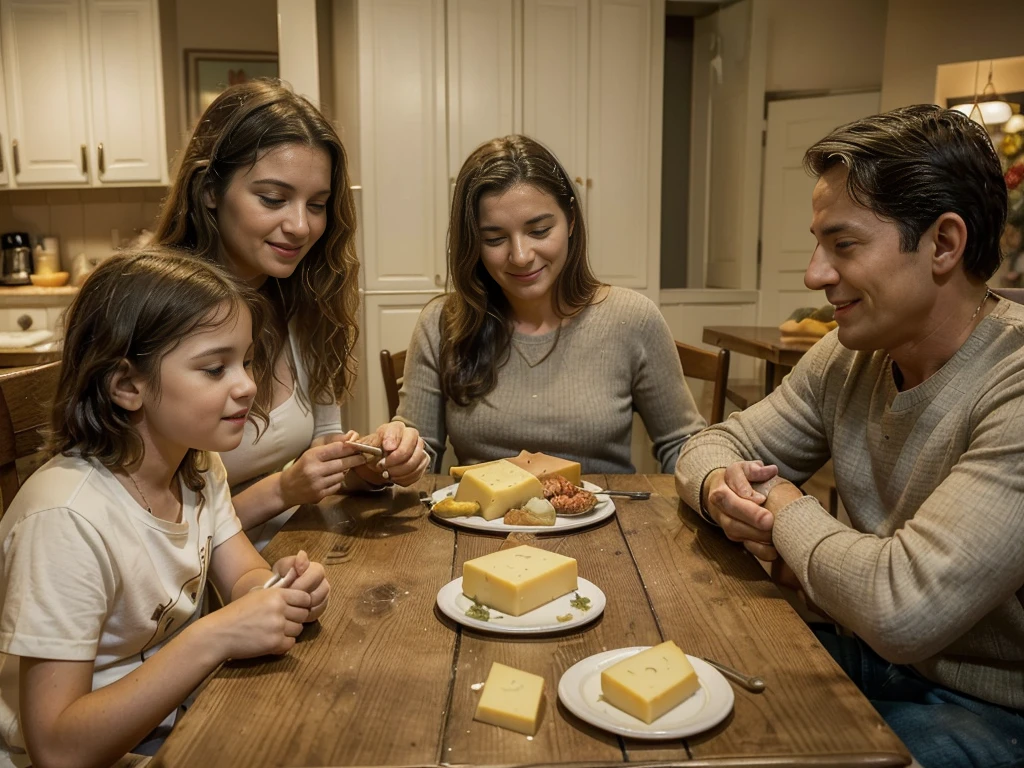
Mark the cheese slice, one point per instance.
(458, 472)
(497, 488)
(541, 465)
(515, 581)
(650, 683)
(511, 699)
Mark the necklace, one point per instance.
(983, 300)
(145, 501)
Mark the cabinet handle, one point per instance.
(17, 160)
(85, 160)
(102, 164)
(590, 182)
(1, 156)
(579, 181)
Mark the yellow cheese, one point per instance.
(511, 699)
(541, 465)
(650, 683)
(515, 581)
(497, 488)
(458, 472)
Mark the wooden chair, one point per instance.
(1015, 295)
(25, 400)
(708, 366)
(392, 366)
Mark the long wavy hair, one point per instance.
(137, 307)
(321, 296)
(476, 321)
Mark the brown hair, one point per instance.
(137, 307)
(322, 294)
(913, 164)
(476, 322)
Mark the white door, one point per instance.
(621, 197)
(44, 70)
(127, 91)
(555, 40)
(402, 143)
(786, 241)
(480, 97)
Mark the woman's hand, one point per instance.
(310, 578)
(319, 471)
(405, 459)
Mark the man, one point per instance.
(918, 397)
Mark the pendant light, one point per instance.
(988, 108)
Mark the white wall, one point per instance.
(922, 34)
(824, 45)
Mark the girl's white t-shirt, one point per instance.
(86, 574)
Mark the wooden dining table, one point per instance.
(385, 679)
(762, 342)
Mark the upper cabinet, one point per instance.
(84, 92)
(439, 77)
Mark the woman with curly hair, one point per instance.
(263, 190)
(530, 351)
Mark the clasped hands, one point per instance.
(744, 498)
(320, 471)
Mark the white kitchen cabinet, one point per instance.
(46, 91)
(84, 92)
(5, 161)
(127, 103)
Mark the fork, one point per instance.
(642, 495)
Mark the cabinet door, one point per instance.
(5, 161)
(480, 99)
(623, 201)
(45, 75)
(555, 81)
(402, 142)
(127, 92)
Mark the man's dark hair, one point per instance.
(913, 164)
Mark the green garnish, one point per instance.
(580, 603)
(567, 617)
(478, 612)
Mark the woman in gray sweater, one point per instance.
(530, 351)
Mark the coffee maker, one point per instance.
(16, 263)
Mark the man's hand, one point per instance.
(732, 503)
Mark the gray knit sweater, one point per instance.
(932, 572)
(577, 402)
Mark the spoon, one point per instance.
(752, 684)
(642, 495)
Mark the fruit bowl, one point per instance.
(51, 280)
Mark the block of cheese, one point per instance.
(458, 472)
(511, 699)
(650, 683)
(517, 580)
(541, 465)
(497, 488)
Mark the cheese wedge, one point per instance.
(498, 487)
(515, 581)
(458, 472)
(650, 683)
(541, 465)
(511, 699)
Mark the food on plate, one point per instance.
(511, 699)
(808, 324)
(533, 512)
(650, 683)
(540, 465)
(497, 488)
(449, 507)
(566, 498)
(517, 580)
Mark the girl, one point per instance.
(263, 189)
(106, 549)
(530, 351)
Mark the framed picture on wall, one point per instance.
(208, 73)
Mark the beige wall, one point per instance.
(824, 45)
(958, 80)
(922, 34)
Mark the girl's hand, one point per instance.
(260, 622)
(310, 578)
(319, 471)
(406, 458)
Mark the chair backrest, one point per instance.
(392, 366)
(707, 366)
(25, 400)
(1015, 295)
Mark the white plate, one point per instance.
(580, 691)
(604, 509)
(454, 605)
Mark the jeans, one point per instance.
(940, 727)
